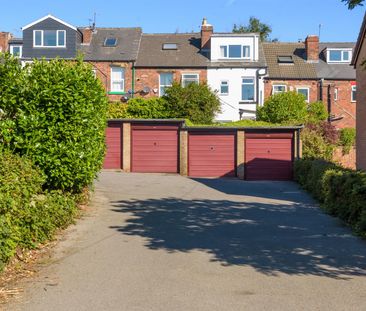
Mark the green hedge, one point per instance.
(347, 139)
(341, 192)
(28, 215)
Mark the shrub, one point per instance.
(347, 139)
(28, 216)
(288, 107)
(196, 102)
(316, 112)
(341, 191)
(151, 108)
(315, 145)
(117, 111)
(57, 117)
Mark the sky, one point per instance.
(290, 20)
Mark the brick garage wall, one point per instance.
(291, 86)
(346, 160)
(149, 77)
(103, 72)
(343, 106)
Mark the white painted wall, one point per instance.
(231, 103)
(217, 41)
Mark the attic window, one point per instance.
(110, 42)
(285, 59)
(170, 46)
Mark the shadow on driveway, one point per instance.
(295, 239)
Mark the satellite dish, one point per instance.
(129, 91)
(146, 90)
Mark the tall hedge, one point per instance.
(54, 112)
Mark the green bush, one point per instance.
(288, 107)
(151, 108)
(55, 113)
(347, 139)
(28, 216)
(196, 102)
(315, 145)
(342, 192)
(316, 112)
(117, 110)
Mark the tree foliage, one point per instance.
(54, 112)
(353, 3)
(254, 25)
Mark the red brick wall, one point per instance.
(103, 72)
(149, 77)
(4, 40)
(361, 110)
(346, 160)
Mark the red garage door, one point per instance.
(154, 149)
(113, 158)
(211, 154)
(269, 156)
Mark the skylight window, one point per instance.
(110, 42)
(170, 46)
(287, 59)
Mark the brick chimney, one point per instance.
(4, 41)
(87, 34)
(312, 48)
(206, 33)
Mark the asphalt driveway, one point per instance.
(165, 242)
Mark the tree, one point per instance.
(353, 3)
(255, 25)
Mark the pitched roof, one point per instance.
(334, 71)
(360, 39)
(46, 17)
(187, 54)
(300, 69)
(126, 48)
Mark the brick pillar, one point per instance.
(183, 153)
(126, 149)
(240, 154)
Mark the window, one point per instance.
(110, 42)
(279, 88)
(235, 51)
(165, 81)
(16, 50)
(353, 93)
(304, 91)
(117, 79)
(339, 56)
(335, 94)
(224, 87)
(170, 46)
(247, 89)
(190, 78)
(49, 38)
(285, 59)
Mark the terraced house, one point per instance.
(242, 70)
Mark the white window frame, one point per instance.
(190, 73)
(342, 57)
(254, 88)
(353, 89)
(228, 89)
(304, 88)
(276, 92)
(241, 51)
(164, 85)
(42, 39)
(336, 94)
(122, 80)
(20, 50)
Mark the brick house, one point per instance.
(358, 60)
(319, 71)
(4, 41)
(164, 58)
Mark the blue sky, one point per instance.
(290, 19)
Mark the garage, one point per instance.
(211, 153)
(154, 148)
(113, 157)
(269, 156)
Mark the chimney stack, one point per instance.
(4, 41)
(312, 48)
(206, 33)
(87, 34)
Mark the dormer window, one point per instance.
(49, 38)
(285, 59)
(339, 55)
(110, 42)
(235, 51)
(170, 46)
